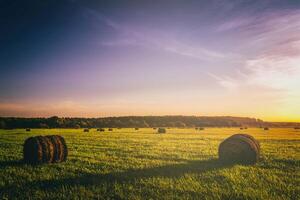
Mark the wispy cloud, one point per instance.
(158, 40)
(275, 69)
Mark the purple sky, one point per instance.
(110, 58)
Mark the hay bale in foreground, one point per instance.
(45, 149)
(161, 130)
(60, 151)
(239, 148)
(28, 129)
(86, 130)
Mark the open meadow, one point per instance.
(141, 164)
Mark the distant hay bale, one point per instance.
(246, 127)
(136, 129)
(28, 129)
(98, 129)
(154, 128)
(161, 130)
(102, 130)
(196, 128)
(110, 129)
(45, 149)
(297, 128)
(86, 130)
(266, 128)
(241, 128)
(239, 148)
(201, 128)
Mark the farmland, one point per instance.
(141, 164)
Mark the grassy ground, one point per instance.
(130, 164)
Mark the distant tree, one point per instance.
(2, 125)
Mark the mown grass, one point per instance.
(140, 164)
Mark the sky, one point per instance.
(173, 57)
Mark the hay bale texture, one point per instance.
(45, 149)
(161, 130)
(239, 148)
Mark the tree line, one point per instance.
(137, 121)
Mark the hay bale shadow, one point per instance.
(129, 176)
(11, 163)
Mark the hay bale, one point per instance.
(86, 130)
(154, 128)
(297, 128)
(110, 129)
(60, 152)
(136, 129)
(102, 129)
(196, 128)
(266, 128)
(239, 148)
(241, 128)
(201, 128)
(45, 149)
(28, 130)
(38, 150)
(161, 130)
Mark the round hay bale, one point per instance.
(196, 128)
(28, 129)
(102, 129)
(110, 129)
(266, 128)
(201, 128)
(241, 128)
(154, 128)
(45, 149)
(86, 130)
(38, 150)
(161, 130)
(98, 129)
(60, 152)
(239, 148)
(136, 129)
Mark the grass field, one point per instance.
(140, 164)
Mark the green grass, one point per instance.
(140, 164)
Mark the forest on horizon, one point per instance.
(139, 122)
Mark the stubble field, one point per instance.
(141, 164)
